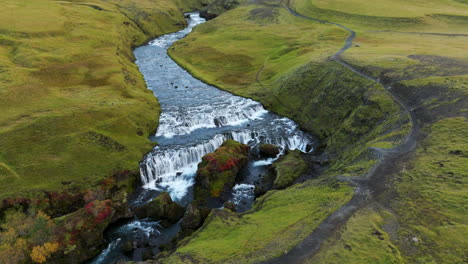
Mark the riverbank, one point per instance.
(75, 120)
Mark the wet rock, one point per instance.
(269, 151)
(147, 254)
(321, 148)
(216, 174)
(162, 208)
(194, 218)
(207, 15)
(127, 246)
(265, 183)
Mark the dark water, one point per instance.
(196, 119)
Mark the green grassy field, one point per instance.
(73, 105)
(259, 50)
(256, 235)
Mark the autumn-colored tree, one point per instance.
(40, 254)
(14, 253)
(20, 232)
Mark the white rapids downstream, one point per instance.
(196, 119)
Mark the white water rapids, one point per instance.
(197, 118)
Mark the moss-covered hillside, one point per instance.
(73, 106)
(416, 50)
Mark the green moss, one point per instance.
(217, 171)
(288, 169)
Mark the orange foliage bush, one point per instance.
(40, 254)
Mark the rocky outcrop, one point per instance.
(283, 173)
(162, 208)
(217, 7)
(288, 168)
(217, 172)
(194, 218)
(268, 151)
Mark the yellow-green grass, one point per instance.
(254, 41)
(426, 222)
(432, 198)
(429, 28)
(278, 221)
(395, 8)
(388, 32)
(363, 240)
(73, 106)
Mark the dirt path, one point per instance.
(368, 187)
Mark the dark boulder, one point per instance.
(206, 15)
(269, 151)
(217, 7)
(162, 208)
(127, 246)
(194, 218)
(265, 183)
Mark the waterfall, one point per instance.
(173, 167)
(185, 120)
(197, 118)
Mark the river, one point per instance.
(196, 119)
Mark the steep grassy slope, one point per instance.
(278, 221)
(418, 50)
(73, 106)
(425, 222)
(264, 52)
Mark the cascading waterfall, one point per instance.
(188, 119)
(172, 167)
(197, 118)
